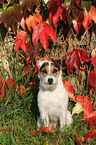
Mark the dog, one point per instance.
(52, 96)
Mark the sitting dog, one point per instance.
(52, 96)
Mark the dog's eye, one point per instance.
(55, 70)
(44, 71)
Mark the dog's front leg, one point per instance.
(43, 120)
(63, 119)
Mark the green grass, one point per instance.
(17, 113)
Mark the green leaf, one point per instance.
(86, 4)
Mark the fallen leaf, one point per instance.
(77, 109)
(90, 134)
(90, 118)
(79, 139)
(45, 129)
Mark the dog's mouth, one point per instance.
(49, 86)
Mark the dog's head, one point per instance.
(49, 72)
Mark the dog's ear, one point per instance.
(39, 63)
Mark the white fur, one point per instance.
(53, 101)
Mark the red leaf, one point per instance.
(63, 14)
(44, 34)
(85, 102)
(90, 134)
(45, 58)
(75, 25)
(5, 85)
(87, 20)
(55, 13)
(72, 60)
(92, 119)
(32, 132)
(10, 82)
(92, 78)
(10, 129)
(84, 57)
(22, 91)
(2, 1)
(30, 51)
(45, 129)
(20, 41)
(51, 3)
(94, 61)
(9, 13)
(78, 2)
(55, 10)
(2, 90)
(29, 4)
(32, 21)
(78, 138)
(69, 88)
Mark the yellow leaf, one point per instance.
(77, 109)
(45, 143)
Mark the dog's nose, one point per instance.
(50, 81)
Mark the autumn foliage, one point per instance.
(41, 23)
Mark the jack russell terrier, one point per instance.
(52, 96)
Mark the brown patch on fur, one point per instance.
(44, 69)
(54, 70)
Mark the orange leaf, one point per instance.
(32, 21)
(93, 13)
(22, 23)
(87, 19)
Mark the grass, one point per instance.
(17, 117)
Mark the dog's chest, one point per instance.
(53, 102)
